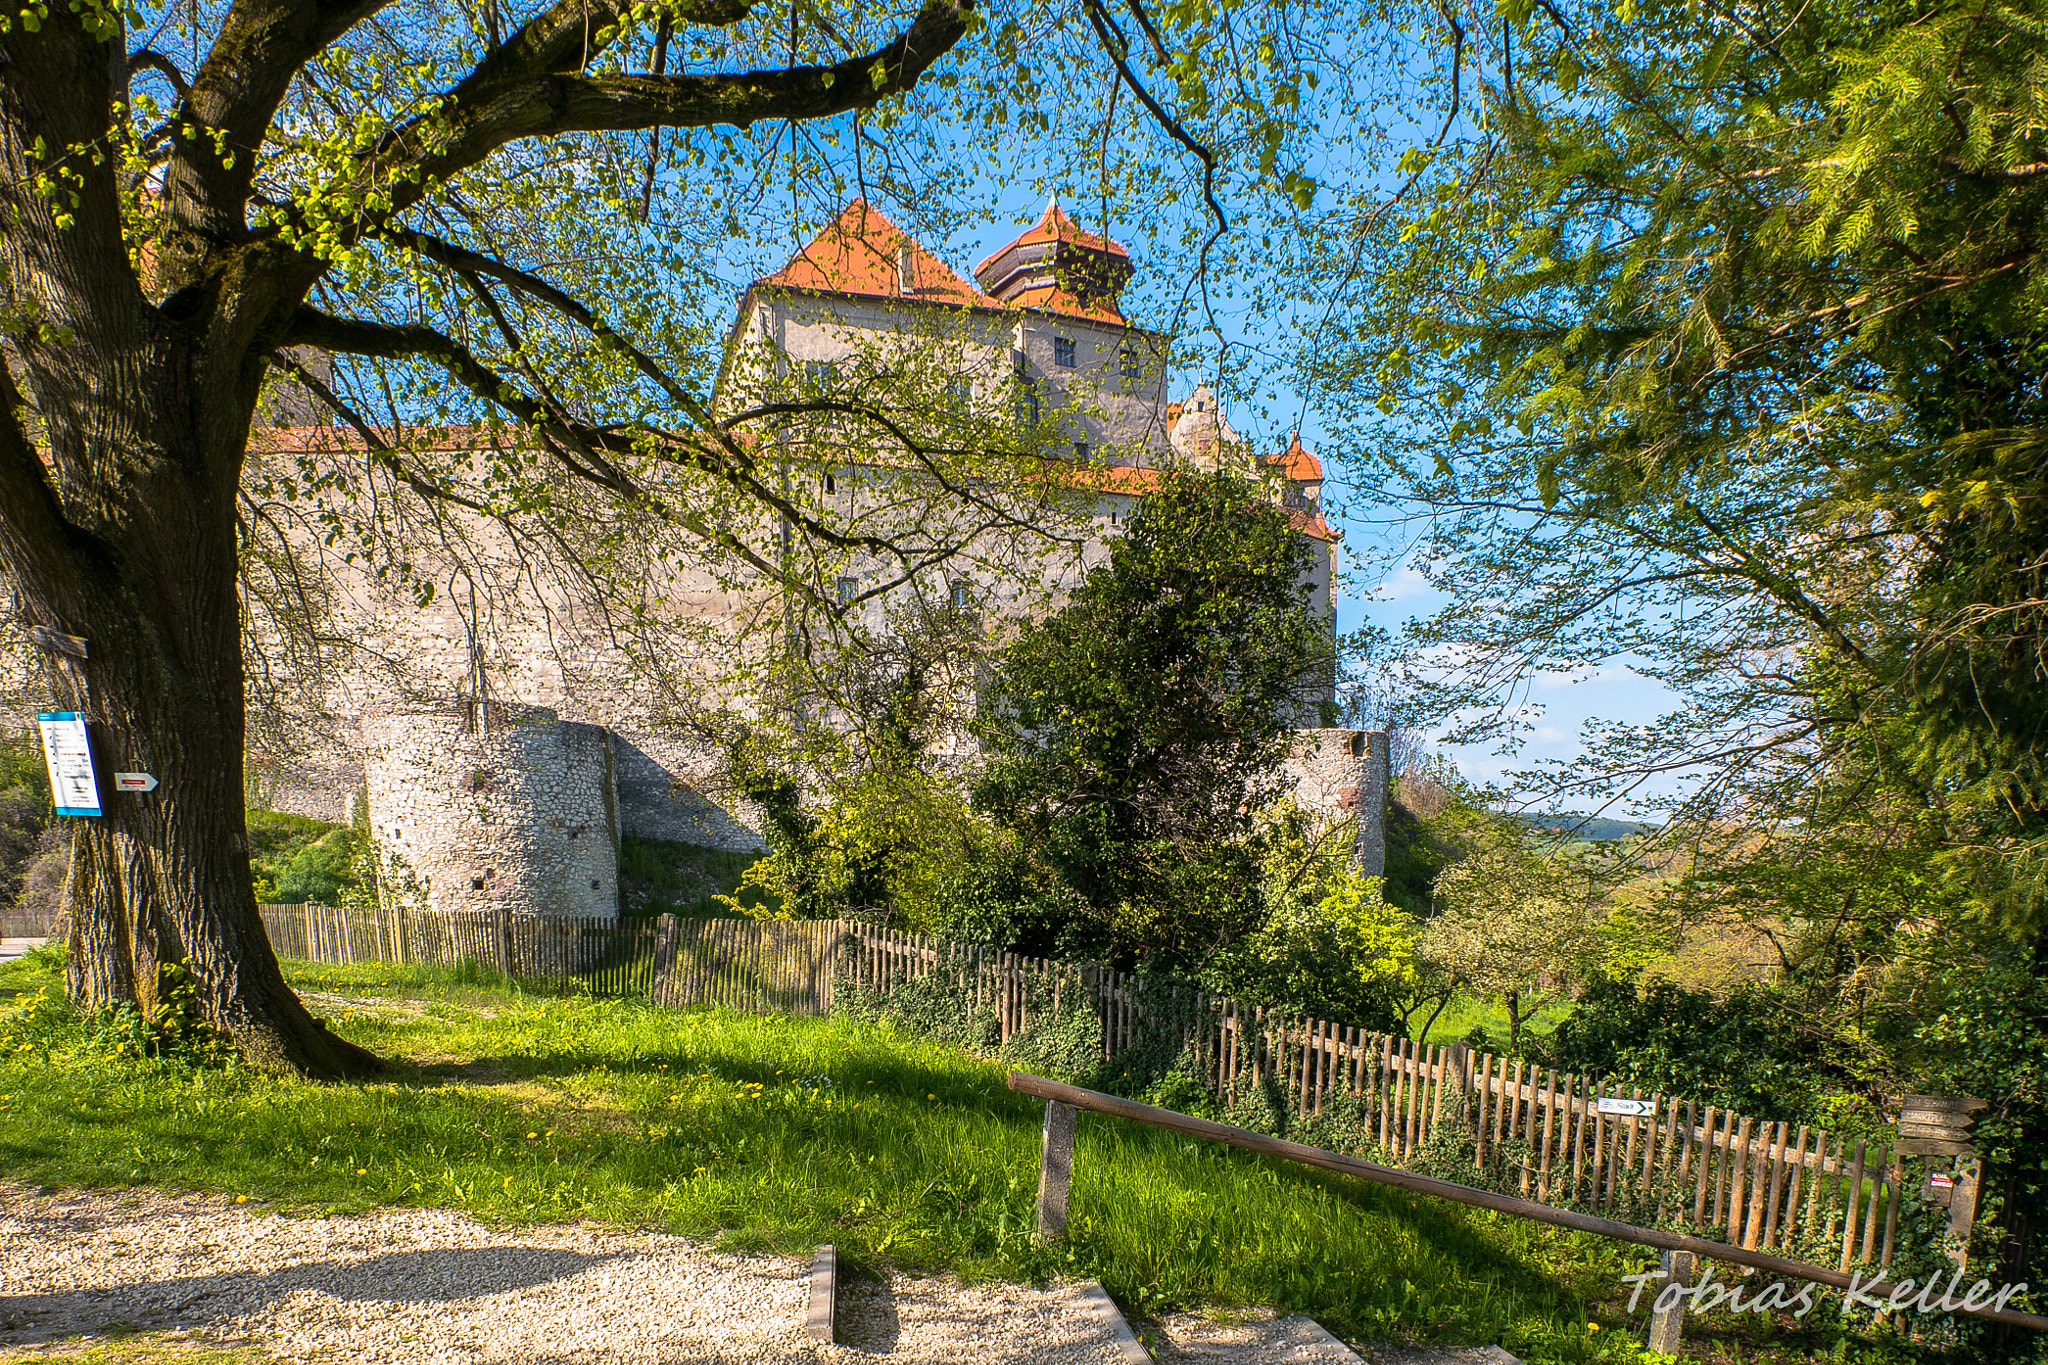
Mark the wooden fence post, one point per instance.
(1668, 1325)
(1055, 1170)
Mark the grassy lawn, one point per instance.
(778, 1134)
(1466, 1013)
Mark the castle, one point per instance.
(524, 813)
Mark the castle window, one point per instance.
(1027, 402)
(845, 589)
(1081, 451)
(963, 594)
(1063, 352)
(593, 883)
(830, 486)
(959, 394)
(822, 376)
(476, 883)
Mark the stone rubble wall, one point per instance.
(1346, 775)
(523, 819)
(674, 789)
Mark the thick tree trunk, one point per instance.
(163, 877)
(122, 431)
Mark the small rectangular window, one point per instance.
(1027, 403)
(959, 394)
(821, 376)
(1081, 451)
(1063, 352)
(845, 589)
(963, 594)
(1127, 363)
(831, 487)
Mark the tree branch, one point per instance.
(354, 336)
(512, 96)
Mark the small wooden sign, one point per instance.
(1627, 1108)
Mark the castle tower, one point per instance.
(521, 820)
(1055, 266)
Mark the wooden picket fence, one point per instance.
(780, 967)
(1660, 1159)
(1758, 1184)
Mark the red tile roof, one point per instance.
(1297, 462)
(858, 253)
(1038, 269)
(1054, 226)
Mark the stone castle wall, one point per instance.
(1346, 775)
(522, 819)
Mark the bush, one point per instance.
(294, 858)
(1731, 1051)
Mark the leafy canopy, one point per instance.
(1134, 735)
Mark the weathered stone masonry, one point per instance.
(522, 819)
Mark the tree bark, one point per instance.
(163, 877)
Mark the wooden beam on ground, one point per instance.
(1104, 1307)
(1096, 1102)
(819, 1322)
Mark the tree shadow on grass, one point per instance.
(910, 1080)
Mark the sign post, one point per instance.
(74, 788)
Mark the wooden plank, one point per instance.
(1788, 1173)
(1852, 1204)
(1657, 1151)
(1479, 1147)
(1807, 1223)
(1896, 1171)
(1874, 1206)
(1724, 1160)
(1544, 1161)
(1575, 1092)
(1386, 1083)
(1763, 1183)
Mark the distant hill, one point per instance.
(1594, 828)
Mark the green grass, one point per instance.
(663, 877)
(1466, 1012)
(777, 1134)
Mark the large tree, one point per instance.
(151, 274)
(1136, 737)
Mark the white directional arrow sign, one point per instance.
(134, 782)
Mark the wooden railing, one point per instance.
(1559, 1139)
(1056, 1176)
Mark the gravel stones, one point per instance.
(430, 1286)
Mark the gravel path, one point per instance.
(409, 1285)
(1263, 1339)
